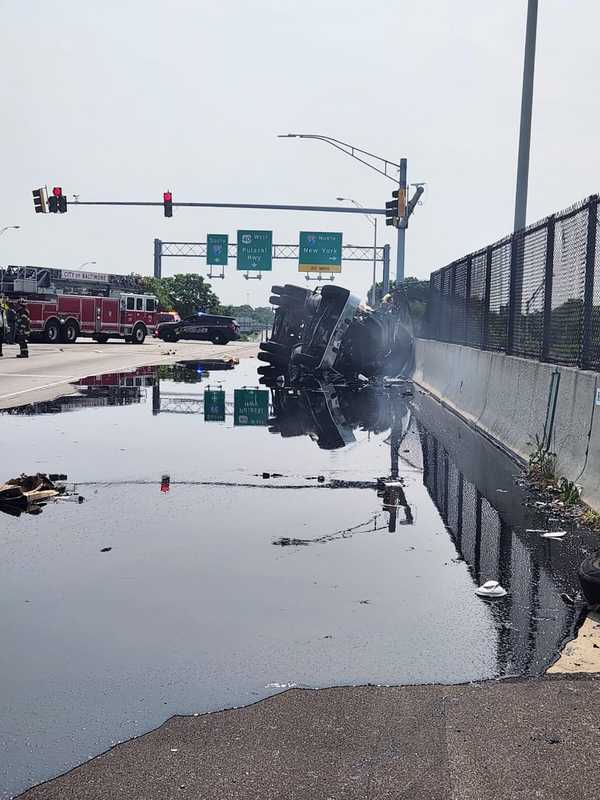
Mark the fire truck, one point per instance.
(66, 317)
(69, 304)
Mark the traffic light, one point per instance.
(168, 204)
(57, 202)
(395, 210)
(39, 201)
(391, 212)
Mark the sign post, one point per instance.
(255, 250)
(320, 252)
(250, 407)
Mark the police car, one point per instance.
(201, 327)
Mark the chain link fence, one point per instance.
(535, 293)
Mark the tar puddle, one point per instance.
(236, 542)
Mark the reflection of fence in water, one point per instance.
(532, 621)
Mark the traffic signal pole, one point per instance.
(401, 243)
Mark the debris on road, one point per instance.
(491, 589)
(28, 494)
(553, 534)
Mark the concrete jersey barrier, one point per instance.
(507, 397)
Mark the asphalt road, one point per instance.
(49, 370)
(507, 740)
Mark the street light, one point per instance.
(373, 221)
(85, 263)
(6, 228)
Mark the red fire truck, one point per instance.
(65, 317)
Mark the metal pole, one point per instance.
(374, 291)
(401, 229)
(157, 258)
(526, 105)
(386, 268)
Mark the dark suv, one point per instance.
(205, 327)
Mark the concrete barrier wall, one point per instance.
(507, 397)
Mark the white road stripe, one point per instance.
(36, 388)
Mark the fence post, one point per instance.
(588, 296)
(486, 300)
(512, 294)
(467, 299)
(451, 335)
(548, 277)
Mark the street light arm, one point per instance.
(349, 150)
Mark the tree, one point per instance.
(186, 294)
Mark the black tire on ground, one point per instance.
(169, 336)
(70, 332)
(219, 339)
(138, 334)
(101, 338)
(52, 332)
(589, 578)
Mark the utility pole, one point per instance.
(402, 222)
(526, 106)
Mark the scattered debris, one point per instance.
(502, 491)
(553, 534)
(28, 494)
(491, 589)
(105, 549)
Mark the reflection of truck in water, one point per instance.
(65, 317)
(114, 389)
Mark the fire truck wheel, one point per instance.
(70, 332)
(139, 334)
(52, 332)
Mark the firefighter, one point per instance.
(23, 328)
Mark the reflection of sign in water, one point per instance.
(254, 250)
(320, 252)
(250, 407)
(216, 249)
(214, 405)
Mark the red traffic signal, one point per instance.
(168, 204)
(57, 191)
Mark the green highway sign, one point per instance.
(320, 252)
(255, 250)
(250, 407)
(216, 249)
(214, 405)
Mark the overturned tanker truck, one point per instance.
(329, 331)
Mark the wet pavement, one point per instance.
(198, 606)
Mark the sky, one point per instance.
(124, 100)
